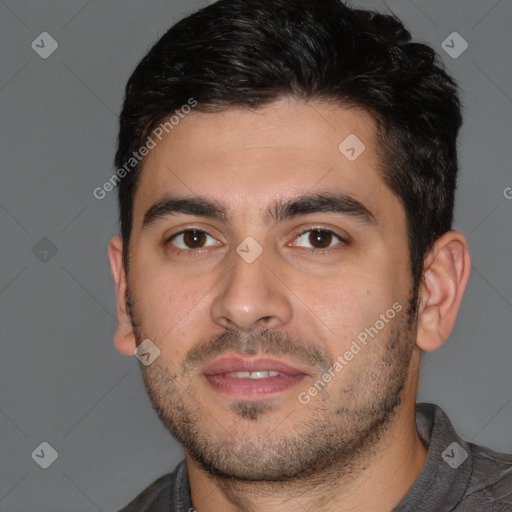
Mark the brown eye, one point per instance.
(318, 239)
(193, 239)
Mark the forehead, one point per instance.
(247, 160)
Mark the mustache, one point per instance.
(263, 341)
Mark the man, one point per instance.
(287, 171)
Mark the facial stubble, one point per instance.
(338, 432)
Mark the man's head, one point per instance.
(290, 213)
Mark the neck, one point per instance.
(380, 475)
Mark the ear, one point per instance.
(124, 338)
(446, 274)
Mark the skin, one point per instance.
(354, 446)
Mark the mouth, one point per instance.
(252, 377)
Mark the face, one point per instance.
(271, 269)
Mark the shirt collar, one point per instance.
(447, 470)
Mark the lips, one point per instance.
(243, 364)
(251, 378)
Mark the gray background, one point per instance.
(61, 379)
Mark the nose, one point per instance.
(251, 296)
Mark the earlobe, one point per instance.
(446, 274)
(124, 337)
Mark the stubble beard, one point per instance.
(338, 435)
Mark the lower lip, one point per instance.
(253, 388)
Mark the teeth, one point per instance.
(252, 375)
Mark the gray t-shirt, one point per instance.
(458, 476)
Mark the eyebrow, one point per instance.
(338, 203)
(198, 206)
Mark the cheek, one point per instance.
(342, 307)
(165, 301)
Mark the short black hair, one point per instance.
(249, 53)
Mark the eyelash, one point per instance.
(341, 240)
(188, 252)
(199, 251)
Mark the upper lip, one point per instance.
(250, 364)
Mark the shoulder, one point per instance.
(480, 479)
(491, 479)
(158, 496)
